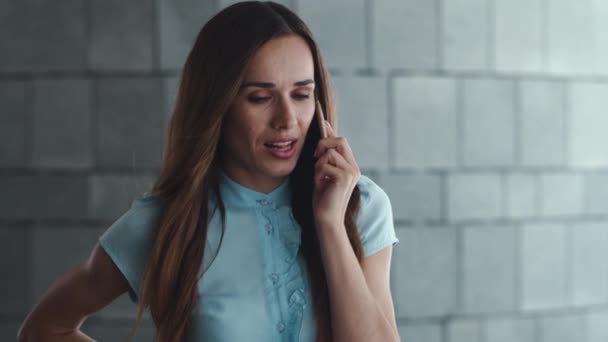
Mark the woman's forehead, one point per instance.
(282, 60)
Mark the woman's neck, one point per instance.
(257, 182)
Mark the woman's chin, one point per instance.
(282, 169)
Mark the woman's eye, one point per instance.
(258, 99)
(262, 99)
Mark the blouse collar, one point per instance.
(237, 195)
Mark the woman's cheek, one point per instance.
(308, 109)
(310, 114)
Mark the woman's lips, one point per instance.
(281, 140)
(283, 152)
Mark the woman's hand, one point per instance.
(336, 174)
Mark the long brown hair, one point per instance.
(210, 80)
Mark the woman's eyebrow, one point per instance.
(272, 85)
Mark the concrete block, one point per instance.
(424, 272)
(543, 124)
(489, 115)
(131, 123)
(543, 265)
(562, 194)
(597, 329)
(426, 122)
(13, 264)
(13, 123)
(420, 332)
(9, 328)
(510, 330)
(522, 195)
(474, 196)
(590, 263)
(564, 328)
(488, 264)
(170, 89)
(363, 119)
(43, 197)
(122, 35)
(464, 33)
(599, 11)
(414, 197)
(464, 330)
(16, 197)
(405, 34)
(569, 37)
(518, 48)
(42, 35)
(588, 124)
(62, 129)
(339, 28)
(226, 3)
(112, 194)
(60, 197)
(595, 193)
(179, 23)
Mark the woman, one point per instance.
(257, 229)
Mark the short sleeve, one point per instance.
(375, 218)
(128, 240)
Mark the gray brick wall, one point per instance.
(484, 120)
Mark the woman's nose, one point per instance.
(285, 114)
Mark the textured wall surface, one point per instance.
(484, 120)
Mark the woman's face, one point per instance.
(274, 106)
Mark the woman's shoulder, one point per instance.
(127, 240)
(134, 227)
(148, 200)
(375, 217)
(370, 191)
(143, 210)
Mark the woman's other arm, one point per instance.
(85, 289)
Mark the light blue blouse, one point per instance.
(256, 289)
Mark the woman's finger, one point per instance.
(328, 172)
(332, 157)
(339, 144)
(330, 130)
(321, 120)
(337, 161)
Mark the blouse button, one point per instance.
(280, 327)
(268, 228)
(263, 201)
(274, 277)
